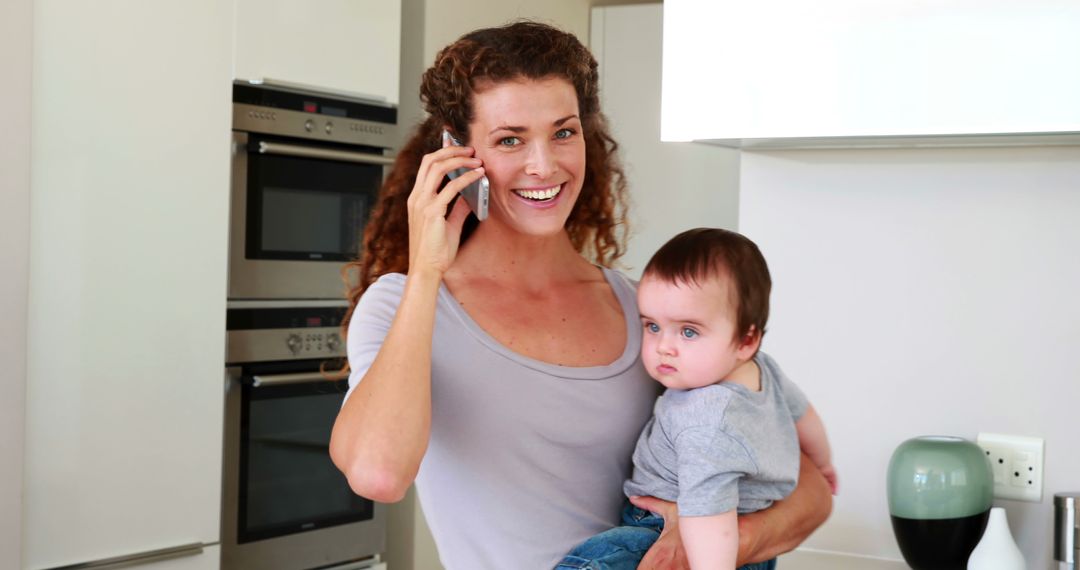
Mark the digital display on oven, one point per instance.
(313, 107)
(334, 111)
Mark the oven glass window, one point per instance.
(287, 214)
(307, 208)
(288, 483)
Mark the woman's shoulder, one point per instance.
(386, 285)
(381, 299)
(619, 279)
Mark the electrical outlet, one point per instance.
(1017, 464)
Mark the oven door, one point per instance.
(298, 212)
(286, 505)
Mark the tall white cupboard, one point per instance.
(129, 181)
(130, 127)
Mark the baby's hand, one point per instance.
(830, 475)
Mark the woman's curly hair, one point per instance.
(521, 50)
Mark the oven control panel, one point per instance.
(283, 344)
(265, 334)
(306, 342)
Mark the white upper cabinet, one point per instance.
(970, 72)
(344, 45)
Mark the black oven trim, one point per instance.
(253, 248)
(249, 319)
(250, 392)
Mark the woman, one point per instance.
(494, 362)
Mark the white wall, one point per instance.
(925, 291)
(673, 186)
(16, 41)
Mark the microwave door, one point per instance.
(298, 214)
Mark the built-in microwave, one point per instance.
(306, 170)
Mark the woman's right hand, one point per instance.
(434, 236)
(667, 553)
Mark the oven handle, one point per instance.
(139, 558)
(260, 380)
(323, 153)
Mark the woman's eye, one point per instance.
(509, 141)
(564, 133)
(652, 327)
(689, 332)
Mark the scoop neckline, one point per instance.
(624, 293)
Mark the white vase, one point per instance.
(997, 550)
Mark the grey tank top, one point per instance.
(526, 458)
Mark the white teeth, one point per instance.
(539, 194)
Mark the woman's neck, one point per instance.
(516, 260)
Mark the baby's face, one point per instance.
(688, 338)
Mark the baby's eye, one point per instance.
(689, 332)
(652, 327)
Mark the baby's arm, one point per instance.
(815, 444)
(711, 542)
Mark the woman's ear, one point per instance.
(748, 344)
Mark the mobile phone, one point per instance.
(475, 194)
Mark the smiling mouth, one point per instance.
(543, 195)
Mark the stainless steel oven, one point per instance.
(285, 506)
(306, 169)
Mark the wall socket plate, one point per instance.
(1017, 464)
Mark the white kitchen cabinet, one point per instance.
(839, 73)
(129, 203)
(347, 45)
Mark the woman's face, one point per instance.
(528, 134)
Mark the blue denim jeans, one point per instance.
(623, 547)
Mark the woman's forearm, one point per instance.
(382, 431)
(786, 524)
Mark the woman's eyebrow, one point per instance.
(508, 128)
(516, 129)
(563, 120)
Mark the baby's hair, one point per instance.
(695, 256)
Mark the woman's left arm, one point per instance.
(764, 535)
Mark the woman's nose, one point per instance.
(541, 161)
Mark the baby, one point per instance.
(724, 438)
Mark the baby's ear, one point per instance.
(749, 343)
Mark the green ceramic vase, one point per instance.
(940, 490)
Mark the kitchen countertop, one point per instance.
(805, 559)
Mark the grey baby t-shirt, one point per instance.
(722, 447)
